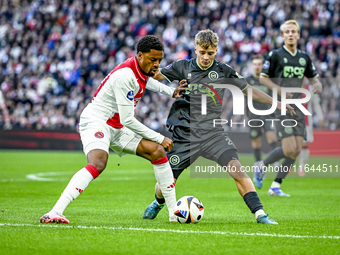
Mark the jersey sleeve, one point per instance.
(173, 71)
(159, 87)
(310, 71)
(268, 65)
(238, 80)
(125, 88)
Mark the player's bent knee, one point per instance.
(158, 152)
(98, 158)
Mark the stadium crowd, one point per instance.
(54, 53)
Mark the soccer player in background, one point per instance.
(287, 67)
(193, 133)
(268, 128)
(109, 122)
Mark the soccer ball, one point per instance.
(189, 209)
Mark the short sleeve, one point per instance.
(238, 80)
(310, 71)
(173, 71)
(268, 65)
(125, 88)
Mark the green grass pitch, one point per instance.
(107, 217)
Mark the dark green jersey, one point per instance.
(186, 111)
(254, 82)
(287, 69)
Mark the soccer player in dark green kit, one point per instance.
(287, 67)
(193, 133)
(267, 128)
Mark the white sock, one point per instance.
(275, 185)
(75, 187)
(165, 179)
(304, 155)
(258, 213)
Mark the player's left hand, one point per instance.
(288, 107)
(183, 85)
(317, 88)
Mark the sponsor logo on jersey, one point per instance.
(266, 64)
(290, 71)
(130, 95)
(213, 75)
(99, 134)
(168, 66)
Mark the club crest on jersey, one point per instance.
(130, 95)
(302, 61)
(266, 64)
(213, 75)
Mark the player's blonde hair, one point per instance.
(291, 21)
(206, 38)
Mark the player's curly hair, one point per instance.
(149, 42)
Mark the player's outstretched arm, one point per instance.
(317, 85)
(159, 87)
(262, 97)
(270, 84)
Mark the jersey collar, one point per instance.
(139, 72)
(205, 68)
(284, 46)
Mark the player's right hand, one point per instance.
(167, 144)
(183, 85)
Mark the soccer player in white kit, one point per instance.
(109, 122)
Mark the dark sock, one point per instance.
(284, 169)
(257, 153)
(273, 145)
(273, 156)
(253, 201)
(160, 200)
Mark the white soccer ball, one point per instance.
(189, 209)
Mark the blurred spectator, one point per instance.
(54, 53)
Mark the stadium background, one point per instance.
(54, 54)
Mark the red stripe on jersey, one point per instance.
(142, 79)
(160, 161)
(115, 121)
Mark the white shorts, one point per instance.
(96, 134)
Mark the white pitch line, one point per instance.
(168, 230)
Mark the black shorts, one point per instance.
(190, 144)
(258, 131)
(288, 129)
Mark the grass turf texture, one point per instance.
(107, 217)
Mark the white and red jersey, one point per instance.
(118, 95)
